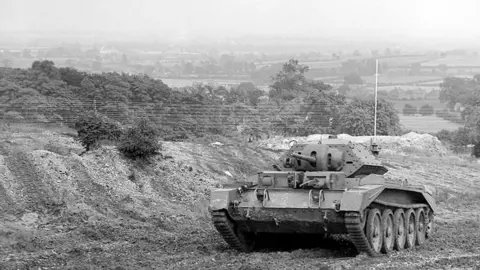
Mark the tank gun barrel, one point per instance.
(306, 158)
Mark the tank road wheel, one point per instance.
(410, 228)
(388, 231)
(399, 229)
(429, 230)
(374, 230)
(421, 226)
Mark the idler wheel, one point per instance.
(399, 229)
(411, 228)
(388, 231)
(374, 230)
(421, 226)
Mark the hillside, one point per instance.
(97, 211)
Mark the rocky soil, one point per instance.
(59, 210)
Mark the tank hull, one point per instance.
(258, 210)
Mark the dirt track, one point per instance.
(99, 212)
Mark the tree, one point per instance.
(289, 81)
(409, 109)
(460, 90)
(92, 128)
(321, 112)
(426, 110)
(48, 68)
(352, 78)
(357, 119)
(72, 76)
(140, 141)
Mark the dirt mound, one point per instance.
(411, 143)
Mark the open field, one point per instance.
(428, 124)
(400, 104)
(401, 61)
(453, 61)
(401, 79)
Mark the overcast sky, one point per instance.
(416, 18)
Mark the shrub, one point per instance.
(92, 128)
(409, 109)
(444, 135)
(140, 141)
(426, 110)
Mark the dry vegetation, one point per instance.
(98, 211)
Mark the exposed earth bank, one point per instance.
(60, 210)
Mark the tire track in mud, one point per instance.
(24, 171)
(6, 203)
(93, 194)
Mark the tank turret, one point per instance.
(354, 159)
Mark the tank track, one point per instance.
(226, 229)
(355, 231)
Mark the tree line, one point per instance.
(294, 105)
(463, 93)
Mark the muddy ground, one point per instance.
(99, 211)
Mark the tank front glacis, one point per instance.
(330, 187)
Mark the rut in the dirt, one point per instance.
(6, 203)
(94, 195)
(33, 189)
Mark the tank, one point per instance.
(330, 187)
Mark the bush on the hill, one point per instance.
(444, 135)
(426, 110)
(459, 139)
(140, 141)
(92, 128)
(409, 109)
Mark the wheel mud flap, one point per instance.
(358, 198)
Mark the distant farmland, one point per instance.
(428, 124)
(401, 79)
(453, 61)
(400, 104)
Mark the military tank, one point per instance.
(328, 187)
